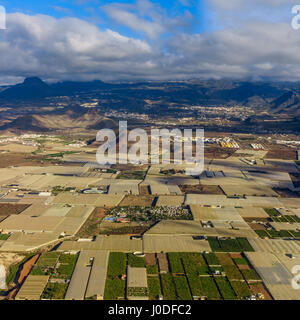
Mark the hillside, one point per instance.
(70, 121)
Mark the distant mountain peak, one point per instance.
(33, 81)
(287, 100)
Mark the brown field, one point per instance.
(124, 228)
(256, 226)
(163, 262)
(20, 159)
(214, 152)
(264, 220)
(150, 259)
(282, 153)
(224, 258)
(260, 288)
(243, 267)
(137, 201)
(236, 255)
(144, 190)
(92, 225)
(7, 209)
(26, 268)
(200, 189)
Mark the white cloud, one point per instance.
(66, 48)
(147, 18)
(131, 20)
(73, 49)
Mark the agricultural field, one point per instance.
(7, 209)
(154, 288)
(137, 201)
(92, 226)
(211, 276)
(55, 291)
(230, 245)
(201, 189)
(60, 268)
(66, 266)
(132, 175)
(4, 237)
(273, 234)
(48, 260)
(115, 284)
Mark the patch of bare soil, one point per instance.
(201, 189)
(150, 259)
(28, 265)
(124, 228)
(23, 274)
(7, 209)
(218, 153)
(9, 259)
(259, 288)
(137, 201)
(21, 159)
(236, 255)
(282, 153)
(264, 220)
(93, 224)
(144, 190)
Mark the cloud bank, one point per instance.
(73, 49)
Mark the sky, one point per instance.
(131, 40)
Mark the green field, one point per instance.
(168, 287)
(175, 262)
(262, 233)
(225, 288)
(241, 289)
(38, 271)
(182, 288)
(211, 259)
(193, 263)
(4, 237)
(250, 274)
(272, 212)
(136, 262)
(210, 288)
(48, 259)
(132, 175)
(116, 264)
(152, 269)
(55, 291)
(154, 288)
(230, 245)
(232, 272)
(114, 289)
(196, 285)
(67, 265)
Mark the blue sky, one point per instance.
(92, 11)
(114, 40)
